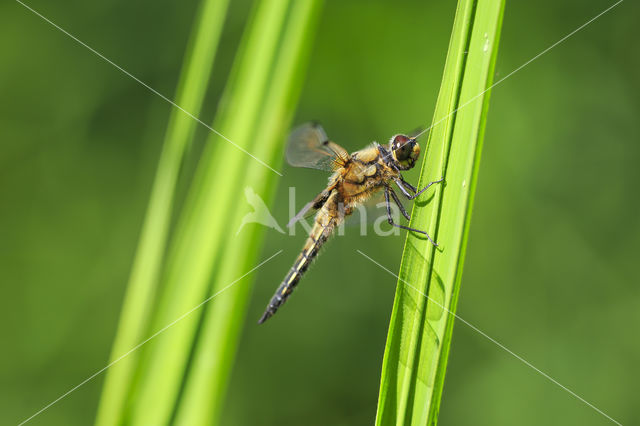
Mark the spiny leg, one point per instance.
(390, 217)
(398, 203)
(403, 185)
(427, 187)
(408, 185)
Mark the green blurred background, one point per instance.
(551, 267)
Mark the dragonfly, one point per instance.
(356, 178)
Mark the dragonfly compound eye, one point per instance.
(405, 151)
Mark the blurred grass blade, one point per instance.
(201, 227)
(143, 282)
(203, 232)
(420, 331)
(217, 342)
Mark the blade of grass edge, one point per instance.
(217, 342)
(420, 328)
(442, 367)
(143, 281)
(203, 223)
(394, 397)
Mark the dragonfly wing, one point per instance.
(305, 212)
(417, 132)
(310, 208)
(309, 146)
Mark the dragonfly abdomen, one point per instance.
(325, 223)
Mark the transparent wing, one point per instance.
(307, 211)
(309, 146)
(310, 208)
(418, 132)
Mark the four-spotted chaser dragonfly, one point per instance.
(356, 177)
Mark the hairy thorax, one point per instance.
(365, 173)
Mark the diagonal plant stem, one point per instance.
(212, 361)
(204, 227)
(144, 279)
(420, 330)
(202, 223)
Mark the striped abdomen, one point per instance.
(326, 221)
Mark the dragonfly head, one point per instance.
(405, 151)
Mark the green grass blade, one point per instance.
(204, 227)
(217, 342)
(143, 282)
(420, 330)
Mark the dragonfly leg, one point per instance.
(399, 204)
(392, 223)
(401, 184)
(428, 185)
(408, 185)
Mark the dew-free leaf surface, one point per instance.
(419, 337)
